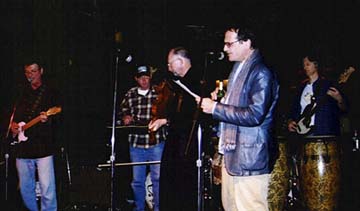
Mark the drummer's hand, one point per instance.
(127, 119)
(155, 125)
(292, 126)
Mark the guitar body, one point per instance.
(21, 135)
(303, 126)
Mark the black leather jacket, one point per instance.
(248, 118)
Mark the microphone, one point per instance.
(128, 59)
(216, 55)
(30, 79)
(124, 56)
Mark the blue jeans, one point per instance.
(139, 174)
(26, 171)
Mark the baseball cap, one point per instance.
(143, 70)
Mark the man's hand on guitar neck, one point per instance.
(334, 93)
(43, 117)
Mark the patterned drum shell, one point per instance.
(320, 172)
(279, 179)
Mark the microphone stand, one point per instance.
(199, 160)
(7, 156)
(200, 205)
(112, 156)
(67, 163)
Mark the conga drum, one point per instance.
(279, 179)
(320, 172)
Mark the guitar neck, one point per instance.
(31, 123)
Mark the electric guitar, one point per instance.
(303, 125)
(24, 126)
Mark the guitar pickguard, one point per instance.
(303, 126)
(21, 135)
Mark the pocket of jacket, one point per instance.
(253, 152)
(253, 157)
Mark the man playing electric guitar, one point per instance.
(35, 104)
(315, 115)
(317, 104)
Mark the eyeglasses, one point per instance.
(229, 44)
(172, 61)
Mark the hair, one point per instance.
(318, 55)
(181, 51)
(314, 57)
(244, 33)
(34, 60)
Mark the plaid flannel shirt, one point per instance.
(139, 107)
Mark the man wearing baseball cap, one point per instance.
(135, 109)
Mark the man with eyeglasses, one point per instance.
(246, 115)
(178, 180)
(35, 154)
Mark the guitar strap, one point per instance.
(319, 101)
(35, 104)
(323, 98)
(317, 88)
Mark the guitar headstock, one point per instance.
(53, 111)
(345, 75)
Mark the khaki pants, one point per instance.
(246, 193)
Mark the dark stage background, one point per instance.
(77, 40)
